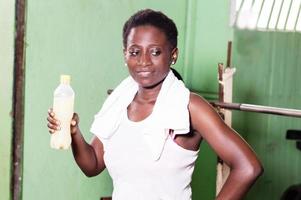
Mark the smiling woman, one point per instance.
(148, 132)
(148, 55)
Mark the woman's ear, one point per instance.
(174, 56)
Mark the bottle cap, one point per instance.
(65, 79)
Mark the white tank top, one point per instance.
(137, 176)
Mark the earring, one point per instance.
(125, 64)
(174, 58)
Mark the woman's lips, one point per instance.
(144, 73)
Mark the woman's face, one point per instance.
(148, 55)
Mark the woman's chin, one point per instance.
(147, 84)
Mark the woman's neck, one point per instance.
(148, 95)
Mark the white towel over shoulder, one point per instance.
(170, 112)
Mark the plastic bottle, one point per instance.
(63, 103)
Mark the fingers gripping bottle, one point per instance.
(63, 103)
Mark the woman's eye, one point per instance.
(133, 53)
(156, 52)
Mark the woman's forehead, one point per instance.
(146, 34)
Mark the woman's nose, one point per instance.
(144, 59)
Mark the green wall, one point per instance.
(7, 17)
(206, 45)
(83, 38)
(268, 73)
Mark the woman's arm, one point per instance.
(229, 146)
(89, 157)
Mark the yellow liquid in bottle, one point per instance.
(63, 109)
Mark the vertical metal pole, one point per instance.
(225, 94)
(229, 54)
(18, 102)
(220, 85)
(219, 168)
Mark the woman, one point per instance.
(149, 130)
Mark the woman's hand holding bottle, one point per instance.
(54, 124)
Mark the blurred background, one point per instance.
(83, 38)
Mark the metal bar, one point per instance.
(220, 85)
(270, 16)
(273, 21)
(279, 14)
(258, 109)
(299, 13)
(18, 102)
(288, 14)
(259, 14)
(237, 12)
(229, 54)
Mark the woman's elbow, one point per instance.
(254, 170)
(90, 174)
(94, 172)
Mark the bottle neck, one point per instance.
(65, 82)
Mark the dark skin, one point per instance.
(149, 55)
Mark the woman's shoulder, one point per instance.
(200, 106)
(204, 117)
(197, 100)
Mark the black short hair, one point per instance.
(153, 18)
